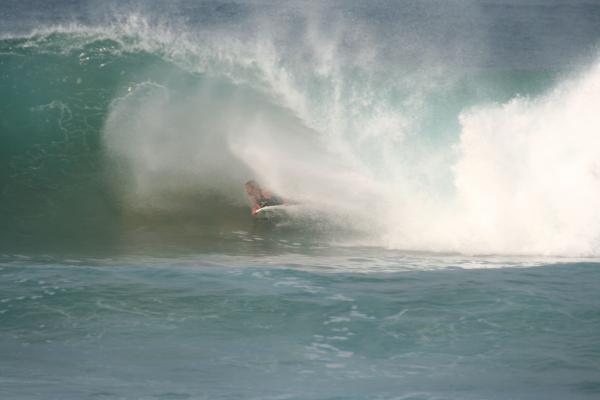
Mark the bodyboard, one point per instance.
(272, 212)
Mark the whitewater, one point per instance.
(444, 163)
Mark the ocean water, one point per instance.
(444, 158)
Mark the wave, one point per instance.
(135, 125)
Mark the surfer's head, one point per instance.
(253, 189)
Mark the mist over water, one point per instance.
(421, 125)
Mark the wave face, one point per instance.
(413, 128)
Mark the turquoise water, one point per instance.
(443, 158)
(298, 327)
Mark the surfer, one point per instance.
(261, 197)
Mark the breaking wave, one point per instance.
(139, 127)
